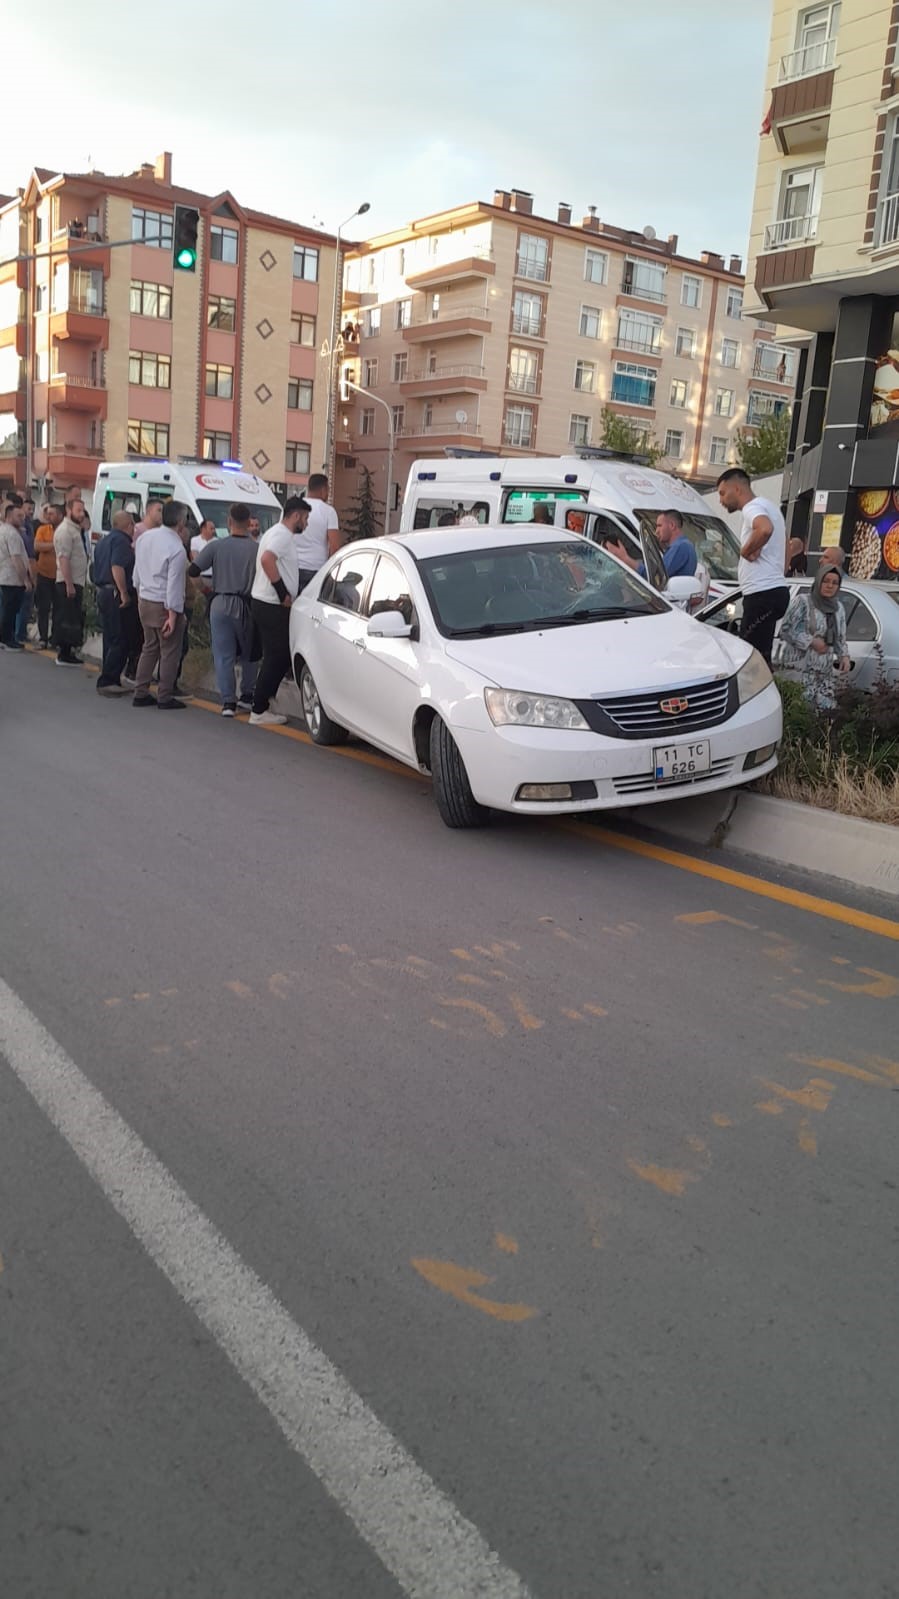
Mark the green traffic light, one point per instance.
(186, 258)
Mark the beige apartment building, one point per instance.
(488, 328)
(108, 351)
(824, 263)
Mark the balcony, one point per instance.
(527, 327)
(887, 221)
(459, 379)
(646, 343)
(787, 232)
(466, 268)
(449, 323)
(72, 392)
(636, 290)
(773, 364)
(448, 432)
(73, 460)
(537, 271)
(82, 322)
(519, 384)
(806, 61)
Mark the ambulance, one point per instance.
(606, 500)
(207, 488)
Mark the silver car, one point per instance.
(872, 627)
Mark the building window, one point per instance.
(798, 205)
(401, 366)
(38, 228)
(297, 459)
(527, 314)
(370, 373)
(149, 371)
(590, 325)
(403, 314)
(305, 262)
(674, 443)
(678, 396)
(220, 380)
(41, 365)
(518, 427)
(888, 202)
(690, 292)
(302, 331)
(585, 376)
(596, 266)
(221, 313)
(153, 228)
(78, 289)
(40, 435)
(399, 419)
(371, 272)
(223, 244)
(686, 342)
(533, 257)
(816, 32)
(637, 330)
(367, 421)
(718, 452)
(578, 430)
(734, 305)
(762, 405)
(373, 322)
(774, 363)
(724, 402)
(151, 299)
(299, 394)
(643, 279)
(401, 261)
(148, 438)
(633, 384)
(434, 307)
(427, 415)
(524, 370)
(730, 352)
(216, 446)
(40, 298)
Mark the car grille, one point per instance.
(641, 715)
(646, 783)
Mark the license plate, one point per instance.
(682, 760)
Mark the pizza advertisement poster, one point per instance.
(875, 535)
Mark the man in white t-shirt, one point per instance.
(274, 591)
(763, 556)
(322, 533)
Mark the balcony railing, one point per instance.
(538, 270)
(464, 370)
(522, 442)
(75, 380)
(809, 59)
(528, 326)
(451, 313)
(781, 370)
(519, 384)
(79, 307)
(418, 430)
(648, 343)
(789, 231)
(888, 220)
(640, 291)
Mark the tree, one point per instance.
(626, 437)
(764, 450)
(365, 516)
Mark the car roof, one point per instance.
(436, 541)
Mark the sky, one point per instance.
(650, 112)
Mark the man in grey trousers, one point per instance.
(160, 574)
(232, 563)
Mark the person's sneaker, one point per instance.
(229, 710)
(266, 719)
(141, 701)
(112, 690)
(244, 704)
(129, 682)
(171, 705)
(68, 660)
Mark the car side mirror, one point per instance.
(684, 592)
(389, 624)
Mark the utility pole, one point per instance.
(333, 340)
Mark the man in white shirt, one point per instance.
(763, 554)
(274, 591)
(15, 571)
(322, 533)
(160, 574)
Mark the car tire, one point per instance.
(321, 729)
(452, 790)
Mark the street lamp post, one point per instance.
(390, 443)
(333, 336)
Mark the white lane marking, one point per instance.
(416, 1531)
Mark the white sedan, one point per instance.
(531, 674)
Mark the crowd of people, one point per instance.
(147, 576)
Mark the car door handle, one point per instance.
(360, 644)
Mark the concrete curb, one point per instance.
(861, 854)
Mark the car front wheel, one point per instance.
(321, 728)
(452, 790)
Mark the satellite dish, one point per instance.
(649, 233)
(461, 416)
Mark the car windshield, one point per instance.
(217, 511)
(716, 544)
(525, 587)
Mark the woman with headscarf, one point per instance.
(813, 633)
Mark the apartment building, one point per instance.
(824, 263)
(488, 328)
(108, 351)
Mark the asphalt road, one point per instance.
(386, 1210)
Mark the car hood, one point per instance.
(590, 659)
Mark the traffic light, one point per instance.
(184, 238)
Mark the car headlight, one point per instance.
(509, 707)
(753, 678)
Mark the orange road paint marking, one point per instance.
(240, 989)
(882, 986)
(491, 1021)
(140, 996)
(720, 1120)
(460, 1283)
(669, 1179)
(808, 1143)
(473, 980)
(699, 1144)
(461, 954)
(506, 1243)
(815, 1096)
(705, 918)
(437, 1021)
(529, 1022)
(813, 999)
(112, 1002)
(823, 1063)
(596, 1010)
(573, 1015)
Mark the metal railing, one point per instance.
(464, 370)
(522, 385)
(809, 59)
(790, 230)
(639, 292)
(417, 430)
(888, 219)
(782, 370)
(79, 308)
(537, 270)
(648, 343)
(76, 380)
(93, 450)
(528, 326)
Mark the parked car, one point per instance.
(872, 628)
(529, 673)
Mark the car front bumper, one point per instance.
(500, 760)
